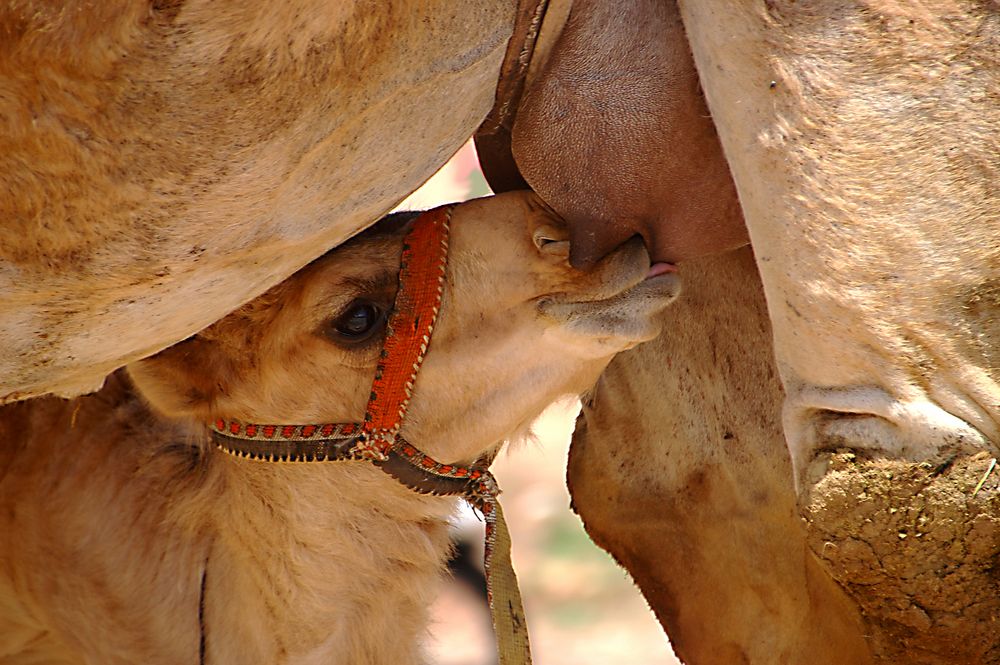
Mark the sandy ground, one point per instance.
(917, 546)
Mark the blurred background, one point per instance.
(581, 607)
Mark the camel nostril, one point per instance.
(551, 240)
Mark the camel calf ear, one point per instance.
(187, 380)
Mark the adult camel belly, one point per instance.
(162, 163)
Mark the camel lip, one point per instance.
(661, 281)
(648, 293)
(610, 290)
(620, 276)
(661, 285)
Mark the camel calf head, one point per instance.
(518, 328)
(255, 562)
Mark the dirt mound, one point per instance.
(917, 546)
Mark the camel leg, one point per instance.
(679, 469)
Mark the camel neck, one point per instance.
(305, 562)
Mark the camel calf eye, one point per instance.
(358, 322)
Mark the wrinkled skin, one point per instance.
(624, 149)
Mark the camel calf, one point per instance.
(128, 538)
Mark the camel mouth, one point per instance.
(616, 304)
(622, 319)
(649, 293)
(618, 272)
(615, 277)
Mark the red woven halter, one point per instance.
(418, 300)
(377, 439)
(421, 281)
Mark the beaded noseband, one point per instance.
(377, 439)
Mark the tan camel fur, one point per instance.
(864, 140)
(866, 154)
(162, 163)
(117, 512)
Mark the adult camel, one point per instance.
(162, 163)
(861, 140)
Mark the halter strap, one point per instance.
(377, 439)
(336, 443)
(493, 136)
